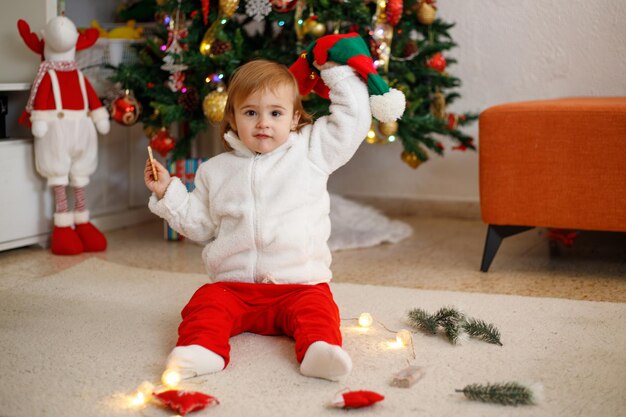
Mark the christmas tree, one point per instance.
(188, 56)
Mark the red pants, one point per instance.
(218, 311)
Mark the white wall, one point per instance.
(508, 51)
(18, 64)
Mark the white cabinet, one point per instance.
(116, 195)
(26, 204)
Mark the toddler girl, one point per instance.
(263, 209)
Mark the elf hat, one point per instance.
(387, 104)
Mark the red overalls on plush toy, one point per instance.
(65, 113)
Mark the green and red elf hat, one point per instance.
(387, 103)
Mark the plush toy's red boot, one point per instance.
(65, 241)
(92, 238)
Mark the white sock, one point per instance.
(323, 360)
(193, 360)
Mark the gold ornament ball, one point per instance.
(410, 159)
(426, 14)
(388, 128)
(213, 105)
(308, 25)
(229, 7)
(318, 29)
(438, 105)
(312, 26)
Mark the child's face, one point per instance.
(264, 119)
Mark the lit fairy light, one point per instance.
(138, 399)
(281, 23)
(391, 138)
(184, 90)
(163, 48)
(171, 378)
(142, 395)
(365, 320)
(404, 337)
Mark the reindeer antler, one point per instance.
(87, 38)
(30, 38)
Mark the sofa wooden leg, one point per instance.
(495, 234)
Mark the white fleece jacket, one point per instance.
(266, 216)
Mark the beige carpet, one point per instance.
(75, 342)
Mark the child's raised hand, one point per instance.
(159, 186)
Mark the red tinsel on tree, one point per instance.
(205, 12)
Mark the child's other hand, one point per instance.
(157, 187)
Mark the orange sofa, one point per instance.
(552, 163)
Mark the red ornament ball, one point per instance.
(437, 62)
(394, 11)
(283, 6)
(162, 142)
(125, 110)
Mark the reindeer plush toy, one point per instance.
(65, 112)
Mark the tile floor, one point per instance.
(442, 254)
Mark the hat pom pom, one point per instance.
(388, 107)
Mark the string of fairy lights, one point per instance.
(172, 379)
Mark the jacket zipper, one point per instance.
(255, 222)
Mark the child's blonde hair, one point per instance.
(260, 75)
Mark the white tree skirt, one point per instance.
(355, 225)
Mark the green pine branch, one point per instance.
(448, 314)
(420, 319)
(481, 330)
(509, 393)
(454, 325)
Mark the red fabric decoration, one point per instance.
(565, 236)
(184, 402)
(357, 399)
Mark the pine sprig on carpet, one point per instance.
(481, 330)
(420, 319)
(509, 393)
(454, 324)
(447, 314)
